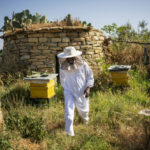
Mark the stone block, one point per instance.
(56, 39)
(88, 56)
(41, 66)
(20, 36)
(89, 43)
(24, 50)
(97, 48)
(77, 47)
(96, 45)
(83, 34)
(55, 48)
(88, 39)
(79, 39)
(45, 51)
(86, 46)
(72, 34)
(101, 38)
(12, 41)
(91, 33)
(42, 47)
(95, 56)
(61, 34)
(24, 40)
(33, 60)
(33, 40)
(54, 44)
(35, 35)
(25, 57)
(29, 47)
(89, 53)
(35, 51)
(49, 35)
(39, 57)
(97, 51)
(96, 38)
(37, 63)
(74, 43)
(62, 44)
(65, 39)
(43, 40)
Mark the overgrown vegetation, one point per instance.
(25, 20)
(114, 120)
(121, 51)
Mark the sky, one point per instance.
(97, 12)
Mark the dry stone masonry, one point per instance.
(37, 49)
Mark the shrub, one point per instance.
(15, 95)
(28, 126)
(102, 79)
(59, 93)
(5, 141)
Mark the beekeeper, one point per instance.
(76, 78)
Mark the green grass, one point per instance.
(114, 121)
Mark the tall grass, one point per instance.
(114, 121)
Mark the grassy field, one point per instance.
(114, 121)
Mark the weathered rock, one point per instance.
(56, 39)
(42, 47)
(33, 40)
(49, 35)
(54, 44)
(20, 36)
(65, 39)
(72, 34)
(35, 35)
(43, 40)
(62, 44)
(89, 53)
(37, 63)
(56, 48)
(79, 39)
(25, 57)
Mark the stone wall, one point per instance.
(37, 49)
(0, 59)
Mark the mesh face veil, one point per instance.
(64, 65)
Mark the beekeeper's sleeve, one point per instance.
(89, 76)
(62, 77)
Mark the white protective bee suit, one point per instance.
(74, 82)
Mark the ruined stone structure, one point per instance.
(38, 49)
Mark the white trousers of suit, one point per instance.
(70, 104)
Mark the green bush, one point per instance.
(28, 126)
(5, 141)
(16, 95)
(59, 96)
(102, 79)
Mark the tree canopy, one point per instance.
(127, 32)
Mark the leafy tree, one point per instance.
(127, 32)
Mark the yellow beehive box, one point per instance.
(120, 78)
(45, 90)
(119, 74)
(42, 87)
